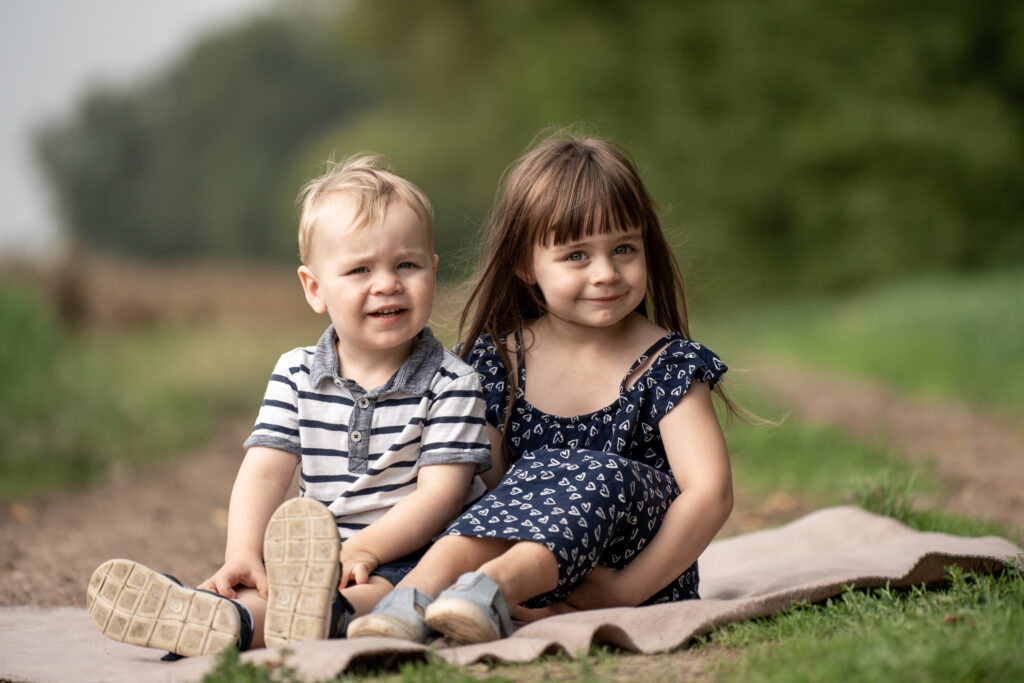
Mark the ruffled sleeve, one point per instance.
(672, 373)
(493, 379)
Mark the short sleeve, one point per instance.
(277, 425)
(672, 373)
(454, 430)
(493, 376)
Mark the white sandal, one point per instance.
(396, 616)
(472, 610)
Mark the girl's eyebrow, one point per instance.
(633, 234)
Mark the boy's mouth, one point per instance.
(387, 312)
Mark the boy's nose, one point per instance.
(386, 282)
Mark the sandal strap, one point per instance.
(482, 591)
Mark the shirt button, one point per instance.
(356, 436)
(364, 403)
(337, 382)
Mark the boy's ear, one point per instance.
(311, 287)
(437, 259)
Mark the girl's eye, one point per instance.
(624, 249)
(576, 256)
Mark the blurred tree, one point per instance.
(793, 145)
(189, 163)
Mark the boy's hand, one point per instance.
(356, 565)
(248, 571)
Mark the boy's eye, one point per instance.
(576, 256)
(407, 264)
(359, 271)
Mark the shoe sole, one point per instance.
(384, 626)
(461, 621)
(131, 603)
(301, 551)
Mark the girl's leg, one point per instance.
(364, 596)
(449, 558)
(523, 571)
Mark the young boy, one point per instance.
(386, 425)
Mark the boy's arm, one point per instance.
(409, 525)
(260, 487)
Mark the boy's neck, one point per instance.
(371, 368)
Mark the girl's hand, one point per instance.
(603, 587)
(356, 565)
(520, 613)
(237, 571)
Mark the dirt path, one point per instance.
(173, 517)
(980, 459)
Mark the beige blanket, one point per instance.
(741, 577)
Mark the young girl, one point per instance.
(599, 409)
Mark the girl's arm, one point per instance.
(700, 463)
(260, 487)
(492, 477)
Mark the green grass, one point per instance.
(821, 464)
(970, 630)
(946, 336)
(72, 403)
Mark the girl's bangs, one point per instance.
(584, 207)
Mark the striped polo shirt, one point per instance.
(360, 451)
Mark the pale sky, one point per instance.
(50, 51)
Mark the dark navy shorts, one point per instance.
(395, 571)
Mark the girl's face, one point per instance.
(595, 281)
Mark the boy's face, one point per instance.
(376, 282)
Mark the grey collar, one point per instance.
(412, 378)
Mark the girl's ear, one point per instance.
(526, 275)
(311, 287)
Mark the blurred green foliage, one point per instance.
(793, 145)
(940, 337)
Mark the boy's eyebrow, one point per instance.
(403, 252)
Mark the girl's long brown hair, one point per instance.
(562, 189)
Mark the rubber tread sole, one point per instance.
(301, 550)
(131, 603)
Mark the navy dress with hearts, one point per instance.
(593, 488)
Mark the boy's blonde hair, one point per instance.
(367, 177)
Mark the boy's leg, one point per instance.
(362, 597)
(257, 606)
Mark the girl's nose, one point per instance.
(603, 271)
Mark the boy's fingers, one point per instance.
(224, 588)
(360, 573)
(261, 584)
